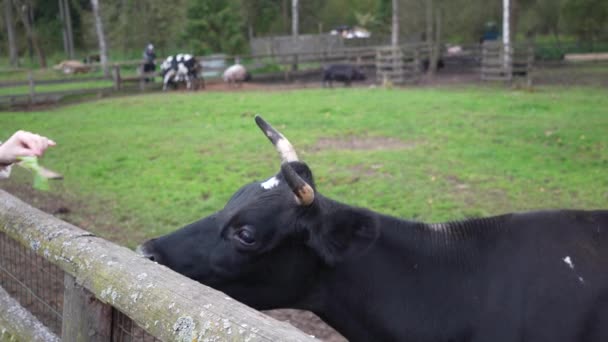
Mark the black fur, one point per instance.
(534, 277)
(343, 73)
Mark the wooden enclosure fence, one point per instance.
(399, 65)
(107, 288)
(500, 64)
(125, 77)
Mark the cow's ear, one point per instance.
(345, 233)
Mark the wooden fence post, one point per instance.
(294, 63)
(30, 80)
(142, 80)
(529, 66)
(116, 77)
(85, 318)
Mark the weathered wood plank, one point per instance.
(164, 303)
(586, 57)
(17, 324)
(85, 318)
(57, 81)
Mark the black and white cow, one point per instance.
(346, 73)
(180, 68)
(526, 277)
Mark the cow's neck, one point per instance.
(401, 283)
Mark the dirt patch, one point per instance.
(373, 170)
(91, 214)
(472, 195)
(358, 143)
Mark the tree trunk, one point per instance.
(24, 13)
(506, 33)
(514, 20)
(395, 26)
(285, 16)
(436, 48)
(294, 32)
(64, 30)
(125, 13)
(103, 53)
(68, 24)
(10, 30)
(429, 35)
(294, 18)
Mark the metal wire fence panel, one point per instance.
(33, 281)
(125, 330)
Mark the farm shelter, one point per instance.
(67, 283)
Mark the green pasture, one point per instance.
(146, 165)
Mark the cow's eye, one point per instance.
(246, 236)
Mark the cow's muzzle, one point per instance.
(147, 251)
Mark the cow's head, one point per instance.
(273, 241)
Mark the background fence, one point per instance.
(66, 283)
(402, 65)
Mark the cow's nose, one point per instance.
(145, 251)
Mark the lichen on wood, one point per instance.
(18, 324)
(164, 303)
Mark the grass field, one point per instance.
(149, 164)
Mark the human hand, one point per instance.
(23, 144)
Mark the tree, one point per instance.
(294, 18)
(395, 23)
(588, 19)
(103, 50)
(66, 20)
(10, 30)
(214, 26)
(263, 16)
(434, 19)
(24, 8)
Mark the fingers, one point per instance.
(34, 142)
(23, 144)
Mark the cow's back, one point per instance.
(559, 267)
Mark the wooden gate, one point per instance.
(398, 65)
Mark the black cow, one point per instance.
(531, 277)
(180, 68)
(346, 73)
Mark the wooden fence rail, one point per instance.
(401, 64)
(500, 64)
(101, 275)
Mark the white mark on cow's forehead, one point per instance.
(568, 261)
(270, 183)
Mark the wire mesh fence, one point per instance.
(38, 286)
(33, 281)
(125, 330)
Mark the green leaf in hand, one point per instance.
(40, 181)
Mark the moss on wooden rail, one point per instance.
(17, 324)
(166, 304)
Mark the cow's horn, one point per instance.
(305, 194)
(283, 146)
